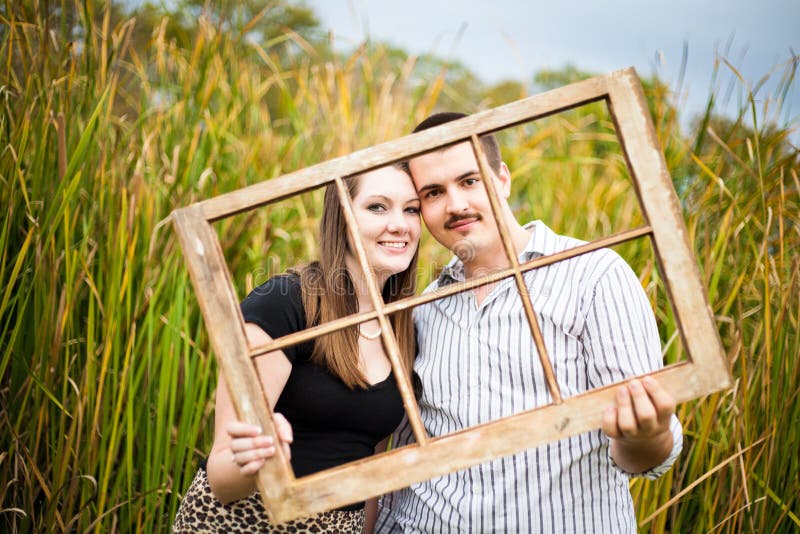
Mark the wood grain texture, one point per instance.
(530, 108)
(670, 239)
(225, 325)
(398, 468)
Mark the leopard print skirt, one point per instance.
(201, 512)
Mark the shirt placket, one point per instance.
(473, 349)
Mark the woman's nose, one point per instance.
(397, 222)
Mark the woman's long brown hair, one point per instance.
(329, 294)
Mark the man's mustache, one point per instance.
(460, 217)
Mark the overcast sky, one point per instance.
(500, 39)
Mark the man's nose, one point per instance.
(456, 202)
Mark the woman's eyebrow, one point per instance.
(380, 197)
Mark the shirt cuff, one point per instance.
(677, 445)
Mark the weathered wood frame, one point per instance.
(287, 498)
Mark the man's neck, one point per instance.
(494, 259)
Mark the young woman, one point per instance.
(338, 391)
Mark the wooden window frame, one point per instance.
(286, 497)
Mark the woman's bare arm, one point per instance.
(239, 448)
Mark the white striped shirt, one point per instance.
(479, 363)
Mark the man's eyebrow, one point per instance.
(468, 174)
(463, 175)
(428, 187)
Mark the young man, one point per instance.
(478, 363)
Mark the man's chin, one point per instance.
(465, 250)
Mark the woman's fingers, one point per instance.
(250, 461)
(251, 468)
(239, 429)
(284, 429)
(250, 447)
(245, 437)
(285, 434)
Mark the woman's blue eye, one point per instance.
(376, 207)
(413, 209)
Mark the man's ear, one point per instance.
(503, 180)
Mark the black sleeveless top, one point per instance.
(332, 424)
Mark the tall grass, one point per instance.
(741, 196)
(107, 382)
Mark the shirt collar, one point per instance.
(541, 243)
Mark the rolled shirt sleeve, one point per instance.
(621, 341)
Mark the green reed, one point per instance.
(106, 399)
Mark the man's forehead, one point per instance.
(454, 159)
(461, 149)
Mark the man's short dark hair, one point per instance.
(489, 142)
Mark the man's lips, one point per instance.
(459, 223)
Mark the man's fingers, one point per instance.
(645, 412)
(662, 401)
(626, 418)
(609, 423)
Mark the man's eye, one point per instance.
(432, 193)
(470, 181)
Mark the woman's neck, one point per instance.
(360, 283)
